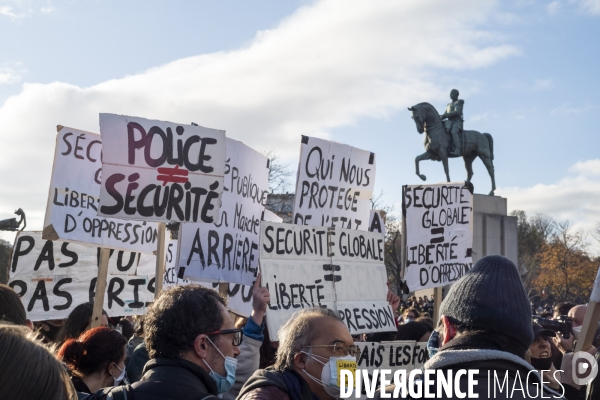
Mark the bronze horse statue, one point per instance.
(437, 143)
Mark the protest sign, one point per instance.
(439, 234)
(377, 222)
(339, 269)
(335, 185)
(74, 196)
(52, 278)
(402, 354)
(160, 171)
(227, 250)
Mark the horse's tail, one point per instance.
(491, 142)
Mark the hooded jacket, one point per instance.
(502, 375)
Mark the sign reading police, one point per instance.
(340, 269)
(439, 235)
(160, 171)
(335, 185)
(74, 198)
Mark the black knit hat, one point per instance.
(491, 296)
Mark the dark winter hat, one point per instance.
(491, 296)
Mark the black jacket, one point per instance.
(176, 379)
(270, 384)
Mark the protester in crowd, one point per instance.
(562, 309)
(125, 327)
(310, 342)
(49, 330)
(540, 356)
(486, 325)
(96, 359)
(192, 346)
(136, 339)
(268, 351)
(11, 307)
(411, 314)
(413, 330)
(79, 321)
(577, 314)
(427, 321)
(29, 370)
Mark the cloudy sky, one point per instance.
(269, 71)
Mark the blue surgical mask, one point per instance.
(433, 344)
(224, 383)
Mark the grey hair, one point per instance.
(297, 333)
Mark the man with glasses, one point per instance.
(313, 345)
(192, 343)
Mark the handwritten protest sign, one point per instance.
(335, 185)
(160, 171)
(339, 269)
(52, 278)
(439, 234)
(405, 354)
(227, 250)
(74, 197)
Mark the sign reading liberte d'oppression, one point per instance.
(339, 269)
(334, 186)
(439, 235)
(74, 198)
(160, 171)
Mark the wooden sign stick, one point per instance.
(590, 321)
(100, 287)
(160, 259)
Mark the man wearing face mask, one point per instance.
(192, 343)
(541, 356)
(313, 346)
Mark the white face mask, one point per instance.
(576, 331)
(330, 372)
(122, 378)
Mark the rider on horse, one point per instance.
(453, 121)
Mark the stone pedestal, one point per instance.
(494, 232)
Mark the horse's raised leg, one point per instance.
(469, 166)
(424, 156)
(490, 167)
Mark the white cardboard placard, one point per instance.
(335, 185)
(439, 239)
(341, 269)
(227, 250)
(52, 278)
(74, 197)
(160, 171)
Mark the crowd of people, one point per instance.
(188, 346)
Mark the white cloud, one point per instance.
(589, 6)
(567, 108)
(574, 197)
(8, 76)
(520, 86)
(8, 11)
(47, 9)
(325, 66)
(554, 7)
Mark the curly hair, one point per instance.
(297, 333)
(178, 316)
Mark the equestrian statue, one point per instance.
(445, 137)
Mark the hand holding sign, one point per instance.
(260, 298)
(393, 299)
